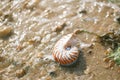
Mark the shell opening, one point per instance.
(68, 47)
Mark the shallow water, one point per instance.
(36, 27)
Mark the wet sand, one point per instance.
(30, 29)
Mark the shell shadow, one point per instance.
(77, 68)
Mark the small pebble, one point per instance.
(110, 65)
(5, 63)
(31, 41)
(106, 60)
(19, 47)
(58, 28)
(87, 71)
(52, 73)
(34, 40)
(108, 51)
(95, 39)
(83, 12)
(8, 17)
(89, 52)
(40, 55)
(20, 73)
(5, 31)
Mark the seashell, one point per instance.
(65, 51)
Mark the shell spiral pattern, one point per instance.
(65, 51)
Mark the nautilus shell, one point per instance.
(65, 51)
